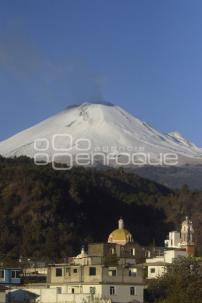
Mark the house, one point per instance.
(10, 275)
(157, 266)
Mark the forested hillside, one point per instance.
(47, 214)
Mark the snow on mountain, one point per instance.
(108, 129)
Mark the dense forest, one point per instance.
(48, 215)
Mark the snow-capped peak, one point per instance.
(105, 127)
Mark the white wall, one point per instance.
(155, 259)
(174, 240)
(122, 293)
(159, 271)
(2, 297)
(170, 255)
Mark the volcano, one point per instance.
(99, 128)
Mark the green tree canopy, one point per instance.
(181, 284)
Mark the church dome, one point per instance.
(120, 235)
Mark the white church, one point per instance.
(178, 244)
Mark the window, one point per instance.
(132, 272)
(152, 270)
(1, 274)
(92, 290)
(58, 272)
(112, 290)
(72, 290)
(92, 271)
(68, 271)
(75, 270)
(15, 274)
(132, 291)
(112, 272)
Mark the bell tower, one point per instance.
(187, 233)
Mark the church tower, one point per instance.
(187, 233)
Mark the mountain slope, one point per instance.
(47, 214)
(51, 214)
(108, 129)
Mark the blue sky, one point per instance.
(144, 55)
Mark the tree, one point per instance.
(181, 284)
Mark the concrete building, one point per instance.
(117, 282)
(107, 272)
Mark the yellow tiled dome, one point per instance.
(121, 235)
